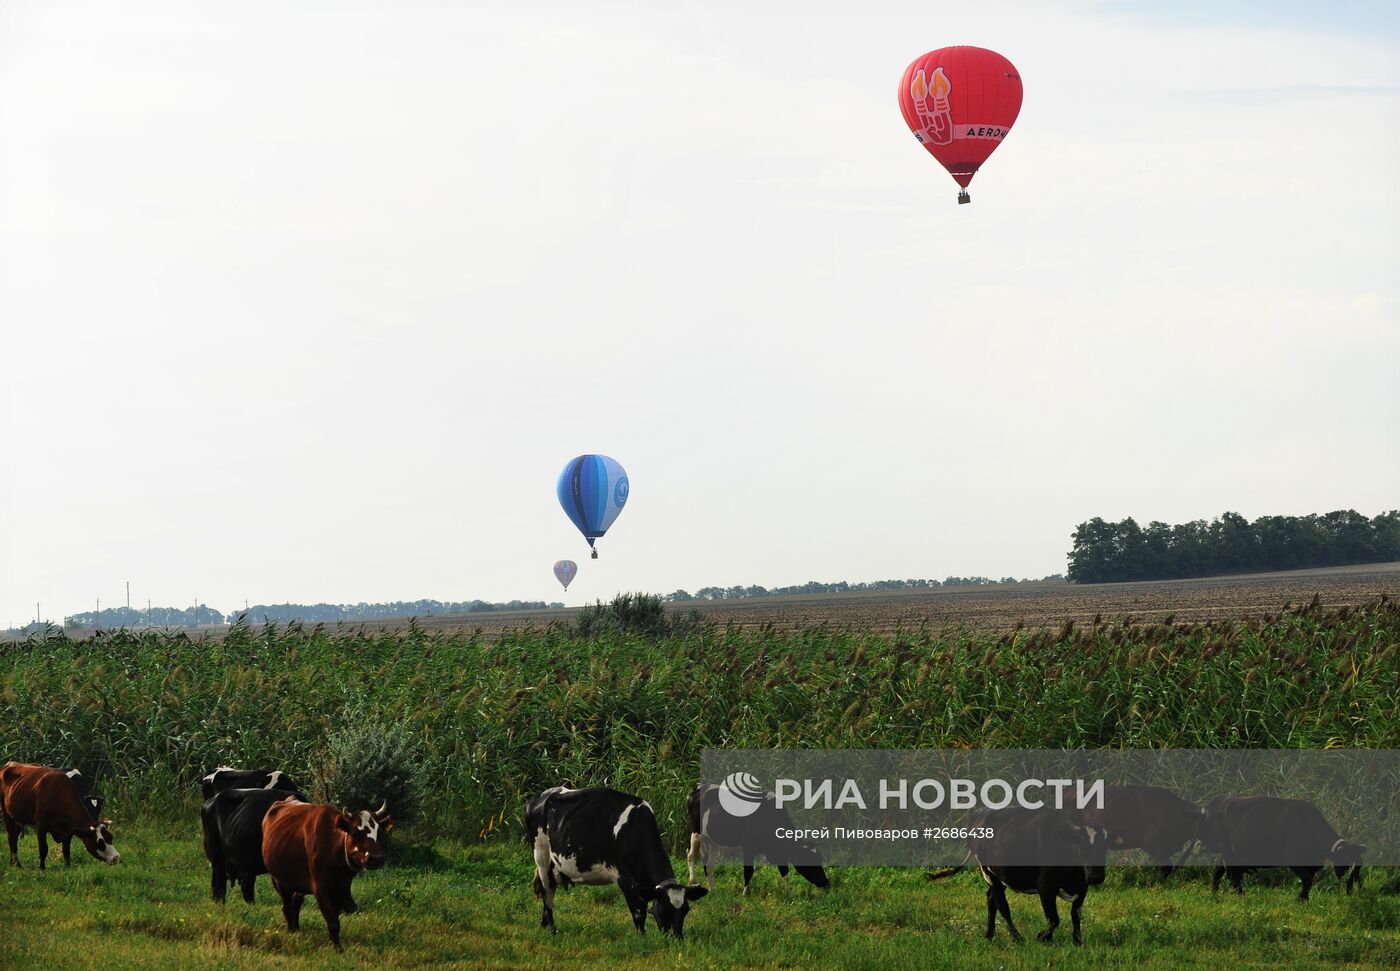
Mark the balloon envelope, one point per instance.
(593, 489)
(960, 102)
(565, 571)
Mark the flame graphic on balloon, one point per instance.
(937, 118)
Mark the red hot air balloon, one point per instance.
(960, 102)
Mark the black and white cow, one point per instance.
(227, 778)
(233, 836)
(602, 836)
(1040, 851)
(1255, 832)
(91, 800)
(753, 835)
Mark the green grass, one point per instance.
(470, 906)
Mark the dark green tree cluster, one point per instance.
(1107, 552)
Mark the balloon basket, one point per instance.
(595, 555)
(964, 198)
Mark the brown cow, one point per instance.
(50, 801)
(318, 850)
(1150, 818)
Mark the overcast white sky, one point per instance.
(312, 301)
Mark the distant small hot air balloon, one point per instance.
(565, 571)
(960, 102)
(593, 489)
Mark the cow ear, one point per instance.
(695, 891)
(342, 822)
(388, 823)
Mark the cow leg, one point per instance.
(748, 870)
(1052, 912)
(783, 870)
(1237, 878)
(1215, 880)
(1074, 909)
(1354, 878)
(43, 846)
(12, 830)
(218, 877)
(291, 905)
(246, 883)
(1306, 874)
(691, 855)
(991, 912)
(331, 913)
(544, 882)
(636, 903)
(1005, 908)
(66, 846)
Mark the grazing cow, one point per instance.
(711, 826)
(226, 778)
(1071, 859)
(602, 836)
(93, 802)
(1150, 818)
(318, 850)
(50, 801)
(1256, 832)
(233, 836)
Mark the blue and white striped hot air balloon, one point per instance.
(565, 571)
(593, 490)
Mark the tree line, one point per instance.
(1107, 552)
(839, 586)
(281, 613)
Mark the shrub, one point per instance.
(633, 613)
(369, 762)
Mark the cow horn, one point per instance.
(382, 811)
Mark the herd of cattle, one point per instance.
(258, 821)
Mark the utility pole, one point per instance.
(97, 617)
(128, 595)
(148, 611)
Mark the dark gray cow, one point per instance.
(1257, 832)
(233, 836)
(753, 835)
(602, 836)
(1041, 851)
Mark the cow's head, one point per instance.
(671, 902)
(97, 837)
(363, 830)
(1347, 856)
(1090, 846)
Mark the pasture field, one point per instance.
(499, 718)
(451, 905)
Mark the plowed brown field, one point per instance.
(998, 607)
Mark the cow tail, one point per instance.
(941, 874)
